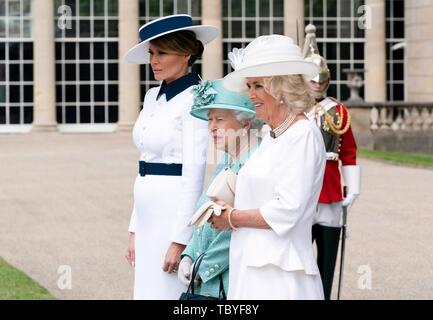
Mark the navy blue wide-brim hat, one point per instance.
(139, 54)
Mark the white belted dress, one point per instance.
(165, 132)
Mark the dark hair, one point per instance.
(181, 42)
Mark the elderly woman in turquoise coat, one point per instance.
(234, 131)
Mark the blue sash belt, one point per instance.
(159, 169)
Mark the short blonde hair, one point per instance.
(291, 89)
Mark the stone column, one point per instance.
(129, 74)
(44, 85)
(419, 50)
(212, 66)
(294, 14)
(375, 53)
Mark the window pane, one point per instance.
(279, 27)
(14, 93)
(14, 51)
(2, 72)
(99, 71)
(168, 7)
(250, 8)
(112, 92)
(71, 114)
(112, 28)
(84, 8)
(112, 7)
(112, 72)
(2, 51)
(236, 29)
(112, 50)
(331, 8)
(84, 51)
(345, 51)
(99, 114)
(28, 72)
(84, 71)
(70, 72)
(264, 8)
(236, 8)
(70, 93)
(85, 114)
(28, 115)
(14, 72)
(98, 51)
(28, 93)
(28, 51)
(2, 93)
(99, 28)
(153, 8)
(27, 30)
(345, 29)
(85, 93)
(278, 8)
(84, 28)
(2, 28)
(69, 51)
(98, 7)
(14, 28)
(99, 93)
(14, 8)
(15, 114)
(113, 114)
(2, 8)
(196, 8)
(251, 29)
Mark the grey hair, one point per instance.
(291, 90)
(247, 118)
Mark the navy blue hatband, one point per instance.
(165, 25)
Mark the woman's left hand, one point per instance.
(221, 222)
(172, 257)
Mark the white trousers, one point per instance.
(328, 214)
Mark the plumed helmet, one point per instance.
(311, 53)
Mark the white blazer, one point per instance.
(283, 178)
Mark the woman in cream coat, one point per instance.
(271, 255)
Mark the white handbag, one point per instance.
(222, 188)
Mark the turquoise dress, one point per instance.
(213, 243)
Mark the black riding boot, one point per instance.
(327, 239)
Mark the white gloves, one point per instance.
(352, 181)
(184, 272)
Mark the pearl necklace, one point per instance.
(278, 131)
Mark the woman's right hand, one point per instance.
(130, 250)
(184, 271)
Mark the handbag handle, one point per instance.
(222, 294)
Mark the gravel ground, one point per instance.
(65, 202)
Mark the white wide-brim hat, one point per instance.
(139, 54)
(266, 56)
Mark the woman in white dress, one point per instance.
(271, 255)
(172, 146)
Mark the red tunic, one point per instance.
(332, 189)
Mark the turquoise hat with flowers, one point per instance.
(212, 95)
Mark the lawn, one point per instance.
(404, 158)
(16, 285)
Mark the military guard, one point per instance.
(333, 119)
